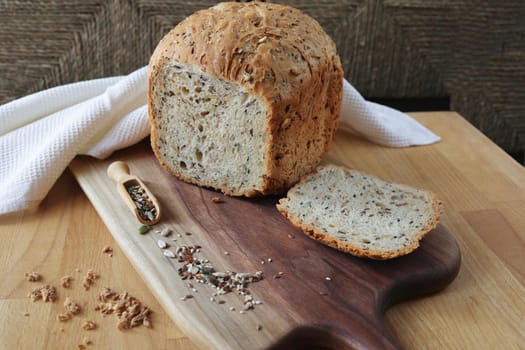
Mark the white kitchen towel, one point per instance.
(41, 133)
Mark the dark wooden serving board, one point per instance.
(303, 309)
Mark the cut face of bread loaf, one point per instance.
(359, 213)
(210, 130)
(244, 97)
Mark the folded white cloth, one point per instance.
(41, 133)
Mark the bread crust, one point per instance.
(277, 53)
(346, 247)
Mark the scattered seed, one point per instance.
(143, 229)
(179, 235)
(259, 327)
(216, 200)
(26, 314)
(162, 244)
(262, 262)
(242, 312)
(276, 276)
(168, 253)
(145, 206)
(269, 259)
(107, 249)
(328, 278)
(64, 317)
(323, 293)
(201, 271)
(291, 236)
(232, 308)
(166, 231)
(226, 253)
(186, 297)
(188, 233)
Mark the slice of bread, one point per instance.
(361, 214)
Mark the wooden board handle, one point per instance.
(325, 336)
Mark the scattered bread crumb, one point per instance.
(129, 311)
(89, 325)
(45, 292)
(64, 317)
(107, 249)
(71, 307)
(65, 281)
(216, 200)
(33, 276)
(89, 279)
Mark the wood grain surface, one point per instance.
(484, 307)
(341, 296)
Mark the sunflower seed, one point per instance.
(166, 231)
(168, 253)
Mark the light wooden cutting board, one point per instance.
(324, 297)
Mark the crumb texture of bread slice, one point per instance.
(359, 213)
(202, 132)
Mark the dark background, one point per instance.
(417, 55)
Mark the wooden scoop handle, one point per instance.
(119, 171)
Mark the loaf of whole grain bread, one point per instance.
(359, 213)
(244, 97)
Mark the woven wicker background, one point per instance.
(469, 52)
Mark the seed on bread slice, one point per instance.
(359, 213)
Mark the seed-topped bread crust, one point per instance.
(278, 56)
(361, 214)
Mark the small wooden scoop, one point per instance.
(135, 194)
